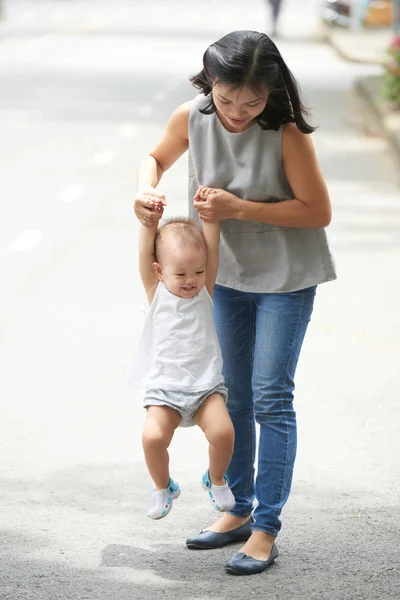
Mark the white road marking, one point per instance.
(102, 158)
(145, 110)
(27, 240)
(127, 130)
(160, 96)
(71, 192)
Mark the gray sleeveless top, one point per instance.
(254, 257)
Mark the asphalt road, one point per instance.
(86, 89)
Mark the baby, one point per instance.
(178, 360)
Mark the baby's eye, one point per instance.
(180, 274)
(199, 272)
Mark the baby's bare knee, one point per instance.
(159, 427)
(221, 434)
(155, 438)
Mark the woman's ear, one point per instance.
(158, 270)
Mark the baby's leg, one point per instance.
(159, 427)
(213, 418)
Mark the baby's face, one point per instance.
(182, 268)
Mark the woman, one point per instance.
(248, 140)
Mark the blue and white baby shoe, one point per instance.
(221, 496)
(161, 500)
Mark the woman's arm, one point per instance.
(172, 145)
(175, 140)
(149, 175)
(310, 206)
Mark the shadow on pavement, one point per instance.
(77, 534)
(23, 576)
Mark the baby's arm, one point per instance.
(147, 236)
(211, 232)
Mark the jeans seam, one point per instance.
(284, 373)
(251, 422)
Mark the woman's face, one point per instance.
(237, 107)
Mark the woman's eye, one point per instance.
(224, 101)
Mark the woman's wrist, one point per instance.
(145, 186)
(149, 174)
(239, 209)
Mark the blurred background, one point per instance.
(86, 88)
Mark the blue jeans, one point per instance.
(261, 337)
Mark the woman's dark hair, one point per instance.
(250, 58)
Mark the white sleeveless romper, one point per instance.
(178, 360)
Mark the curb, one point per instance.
(389, 122)
(330, 39)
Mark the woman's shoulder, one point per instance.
(184, 110)
(292, 133)
(294, 139)
(179, 120)
(178, 124)
(184, 113)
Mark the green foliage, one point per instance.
(391, 77)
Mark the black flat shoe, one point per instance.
(207, 540)
(241, 564)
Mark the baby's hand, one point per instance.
(149, 206)
(203, 193)
(158, 204)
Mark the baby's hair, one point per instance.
(184, 229)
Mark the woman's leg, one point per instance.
(281, 324)
(234, 318)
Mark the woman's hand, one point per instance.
(215, 205)
(149, 206)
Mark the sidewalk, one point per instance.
(369, 47)
(365, 46)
